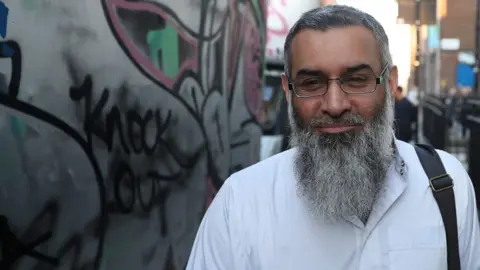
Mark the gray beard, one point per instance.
(340, 175)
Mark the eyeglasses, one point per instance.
(359, 82)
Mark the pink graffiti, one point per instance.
(284, 28)
(274, 13)
(138, 56)
(252, 71)
(237, 29)
(210, 191)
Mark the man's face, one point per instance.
(398, 94)
(332, 53)
(344, 140)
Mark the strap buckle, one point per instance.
(441, 182)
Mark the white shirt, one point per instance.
(258, 222)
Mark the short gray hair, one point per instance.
(337, 16)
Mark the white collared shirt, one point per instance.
(258, 222)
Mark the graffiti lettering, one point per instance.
(136, 125)
(151, 154)
(126, 184)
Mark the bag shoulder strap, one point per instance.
(442, 187)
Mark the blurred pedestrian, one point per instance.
(465, 109)
(452, 101)
(405, 116)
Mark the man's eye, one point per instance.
(309, 82)
(356, 78)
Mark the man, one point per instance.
(347, 195)
(465, 109)
(405, 116)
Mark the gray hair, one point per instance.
(337, 16)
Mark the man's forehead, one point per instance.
(334, 50)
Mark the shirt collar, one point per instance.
(399, 163)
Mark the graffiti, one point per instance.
(210, 40)
(132, 133)
(111, 155)
(3, 28)
(29, 4)
(162, 54)
(278, 25)
(253, 71)
(3, 19)
(15, 246)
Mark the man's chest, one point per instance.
(295, 245)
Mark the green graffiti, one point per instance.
(166, 41)
(263, 32)
(29, 4)
(18, 127)
(260, 17)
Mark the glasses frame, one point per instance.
(378, 80)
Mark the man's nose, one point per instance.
(336, 101)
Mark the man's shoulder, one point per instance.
(407, 102)
(452, 165)
(455, 169)
(254, 188)
(261, 179)
(403, 103)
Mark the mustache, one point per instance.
(345, 119)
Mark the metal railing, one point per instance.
(473, 157)
(436, 130)
(435, 123)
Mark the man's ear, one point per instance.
(393, 81)
(285, 86)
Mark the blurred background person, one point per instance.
(451, 101)
(465, 109)
(405, 117)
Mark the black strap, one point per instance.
(442, 187)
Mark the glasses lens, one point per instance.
(361, 82)
(312, 86)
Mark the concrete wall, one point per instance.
(121, 120)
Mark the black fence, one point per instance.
(473, 125)
(435, 123)
(437, 129)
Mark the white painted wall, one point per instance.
(282, 15)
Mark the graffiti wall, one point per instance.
(119, 121)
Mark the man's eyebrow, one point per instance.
(309, 72)
(316, 72)
(357, 68)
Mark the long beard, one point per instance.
(341, 175)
